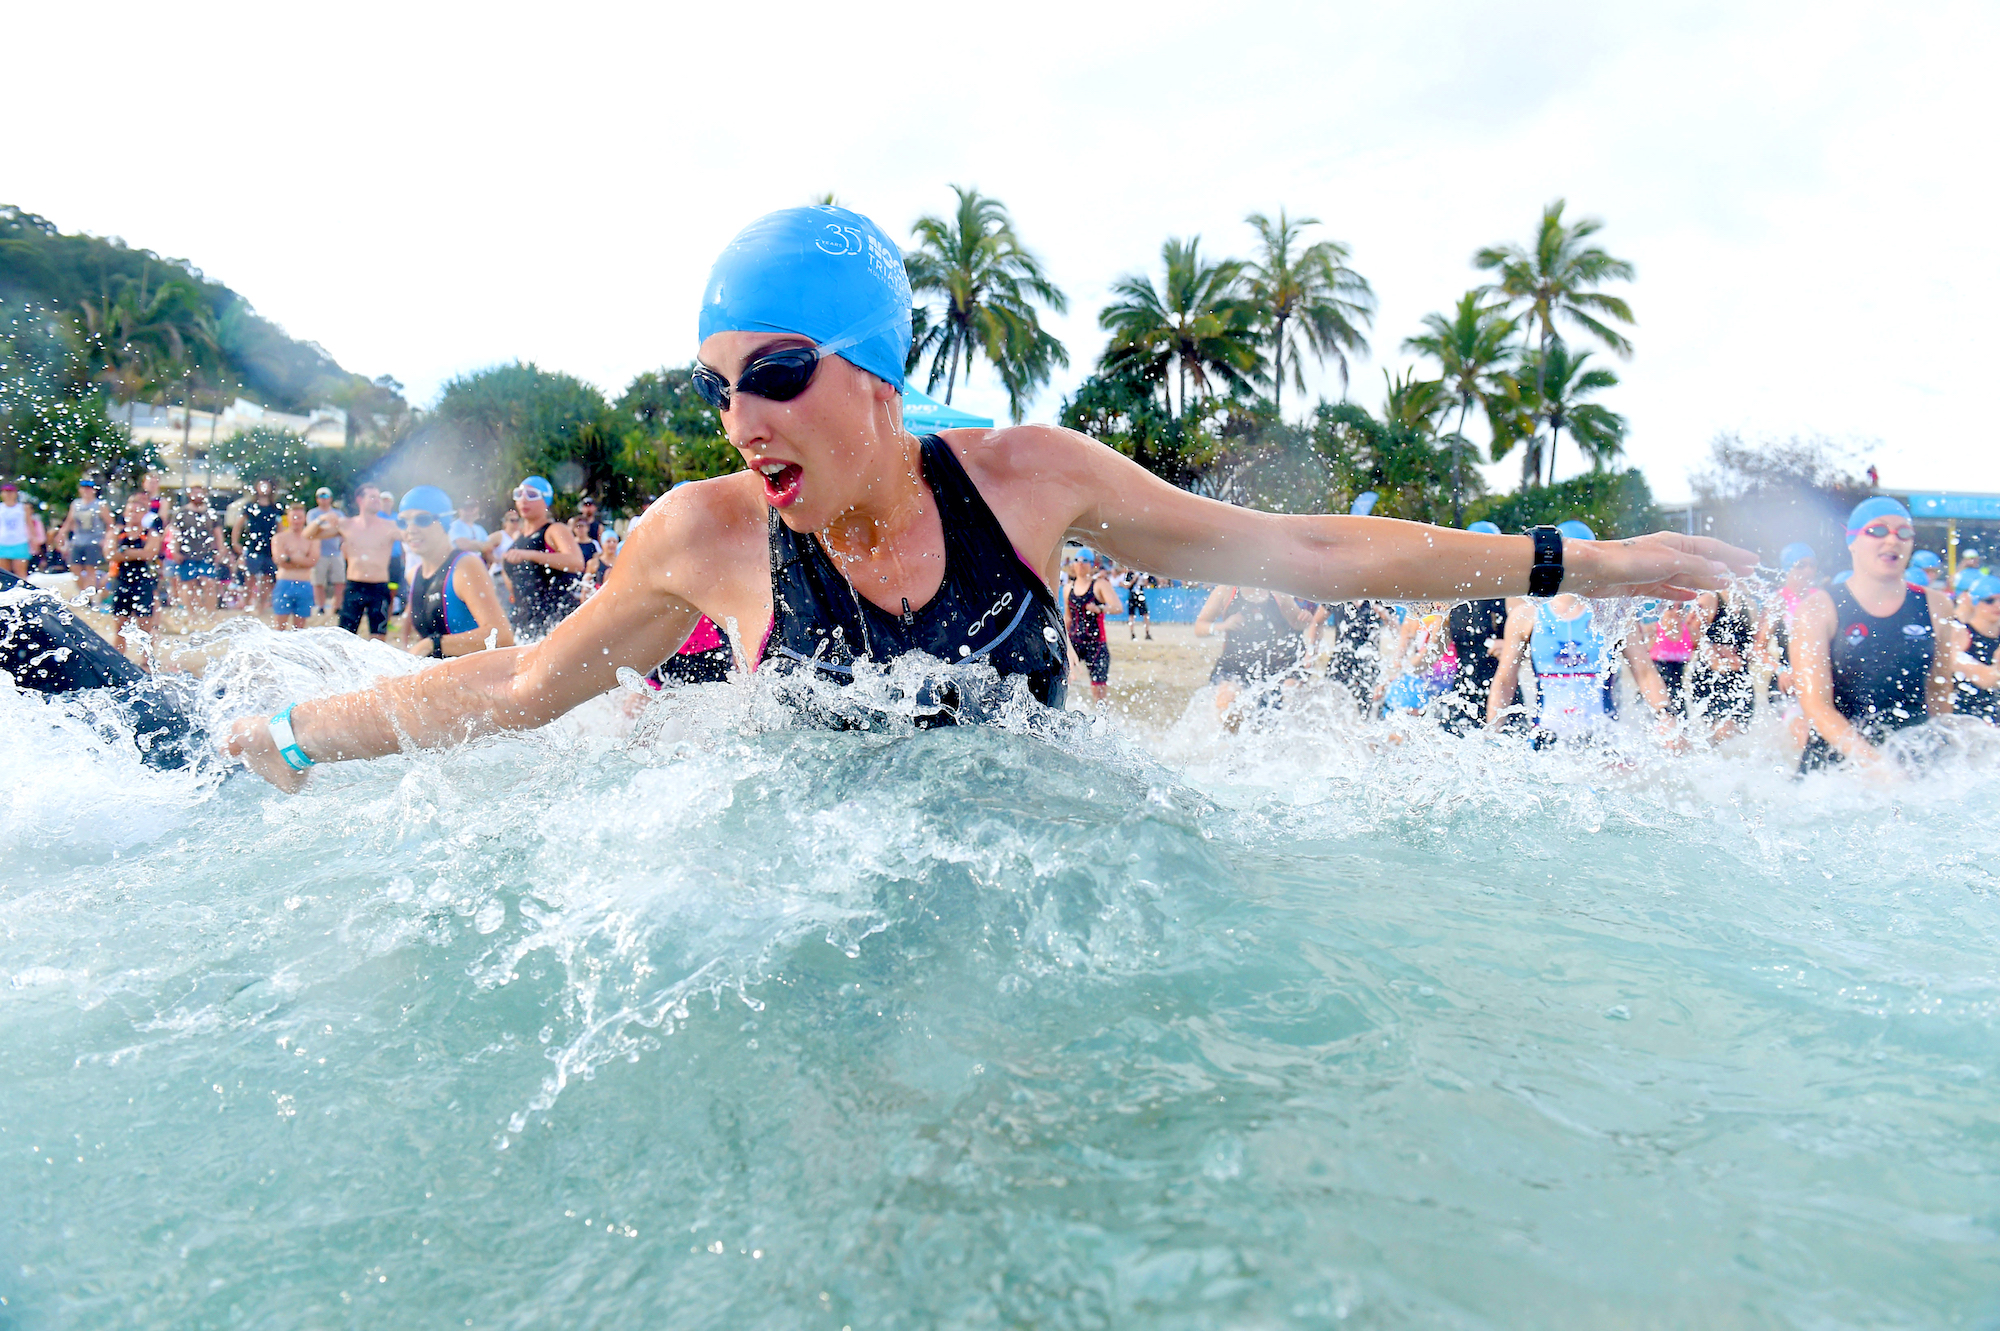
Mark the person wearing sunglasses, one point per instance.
(1869, 660)
(454, 609)
(849, 542)
(545, 565)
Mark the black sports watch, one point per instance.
(437, 641)
(1545, 575)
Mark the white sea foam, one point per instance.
(1048, 1022)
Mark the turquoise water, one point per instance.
(720, 1023)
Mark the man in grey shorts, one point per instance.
(83, 530)
(329, 576)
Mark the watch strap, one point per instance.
(1545, 575)
(295, 757)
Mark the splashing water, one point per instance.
(715, 1020)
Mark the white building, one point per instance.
(324, 427)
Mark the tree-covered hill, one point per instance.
(155, 329)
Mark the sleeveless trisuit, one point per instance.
(1881, 670)
(435, 608)
(992, 608)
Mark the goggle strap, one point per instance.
(861, 332)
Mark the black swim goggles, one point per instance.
(777, 377)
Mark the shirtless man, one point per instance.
(366, 539)
(296, 556)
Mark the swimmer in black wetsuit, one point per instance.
(1088, 596)
(1477, 630)
(1870, 659)
(545, 566)
(1721, 687)
(46, 648)
(1977, 677)
(848, 538)
(1354, 657)
(1260, 642)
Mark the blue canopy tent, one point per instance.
(923, 414)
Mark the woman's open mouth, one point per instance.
(781, 482)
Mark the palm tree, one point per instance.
(1556, 277)
(1514, 414)
(1197, 322)
(139, 337)
(990, 285)
(1470, 348)
(1310, 296)
(1415, 404)
(1565, 383)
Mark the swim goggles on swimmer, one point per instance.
(295, 757)
(783, 374)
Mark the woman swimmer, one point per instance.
(847, 537)
(1871, 658)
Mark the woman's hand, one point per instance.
(250, 743)
(1666, 565)
(515, 556)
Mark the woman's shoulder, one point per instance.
(1011, 451)
(722, 515)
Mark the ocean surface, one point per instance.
(676, 1014)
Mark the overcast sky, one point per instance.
(1805, 188)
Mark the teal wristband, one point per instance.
(295, 757)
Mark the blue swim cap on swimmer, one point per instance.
(1084, 553)
(1966, 577)
(1983, 587)
(824, 273)
(1842, 576)
(1926, 559)
(1865, 512)
(1486, 528)
(1798, 552)
(427, 499)
(539, 483)
(1576, 531)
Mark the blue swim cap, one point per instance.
(1984, 587)
(822, 272)
(427, 499)
(1576, 531)
(1364, 504)
(1966, 577)
(1798, 552)
(1486, 528)
(1842, 576)
(1085, 553)
(1865, 512)
(1926, 559)
(539, 483)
